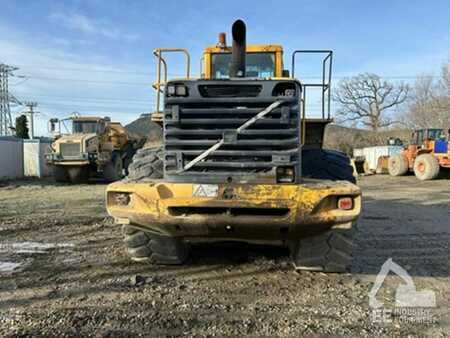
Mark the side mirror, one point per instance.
(285, 73)
(52, 124)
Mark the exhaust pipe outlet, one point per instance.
(237, 67)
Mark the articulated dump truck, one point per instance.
(96, 147)
(239, 161)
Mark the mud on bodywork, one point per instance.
(253, 211)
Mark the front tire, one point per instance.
(327, 164)
(60, 174)
(113, 170)
(426, 167)
(147, 163)
(142, 246)
(78, 175)
(327, 252)
(398, 165)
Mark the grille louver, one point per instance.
(70, 149)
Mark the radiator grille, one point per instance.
(191, 129)
(70, 149)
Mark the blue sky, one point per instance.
(95, 57)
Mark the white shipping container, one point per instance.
(372, 154)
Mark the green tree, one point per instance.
(22, 127)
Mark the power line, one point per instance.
(85, 98)
(147, 73)
(91, 81)
(55, 106)
(5, 99)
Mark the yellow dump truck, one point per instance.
(240, 160)
(95, 147)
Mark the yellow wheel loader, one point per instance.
(95, 147)
(239, 161)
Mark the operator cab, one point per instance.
(433, 134)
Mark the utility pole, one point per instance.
(30, 114)
(5, 100)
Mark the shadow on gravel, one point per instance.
(44, 182)
(414, 234)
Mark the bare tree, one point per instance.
(367, 100)
(429, 105)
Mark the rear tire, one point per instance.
(398, 165)
(147, 163)
(142, 246)
(426, 167)
(327, 252)
(113, 170)
(327, 164)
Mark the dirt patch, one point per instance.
(81, 283)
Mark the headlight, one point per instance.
(285, 175)
(177, 90)
(119, 198)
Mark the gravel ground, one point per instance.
(72, 278)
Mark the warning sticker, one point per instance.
(205, 190)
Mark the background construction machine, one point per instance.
(427, 153)
(239, 161)
(95, 147)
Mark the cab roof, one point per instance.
(249, 49)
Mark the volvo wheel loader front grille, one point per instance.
(194, 124)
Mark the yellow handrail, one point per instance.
(158, 84)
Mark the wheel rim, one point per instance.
(421, 167)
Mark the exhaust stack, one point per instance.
(237, 67)
(222, 43)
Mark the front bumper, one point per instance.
(58, 159)
(247, 211)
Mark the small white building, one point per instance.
(11, 158)
(23, 158)
(33, 158)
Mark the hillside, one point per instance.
(346, 139)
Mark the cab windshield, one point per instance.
(85, 127)
(257, 65)
(435, 134)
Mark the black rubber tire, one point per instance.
(327, 164)
(327, 252)
(147, 163)
(113, 170)
(398, 165)
(77, 174)
(430, 165)
(142, 246)
(60, 174)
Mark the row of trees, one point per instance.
(368, 101)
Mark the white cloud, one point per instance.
(82, 23)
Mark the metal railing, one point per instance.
(162, 64)
(327, 62)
